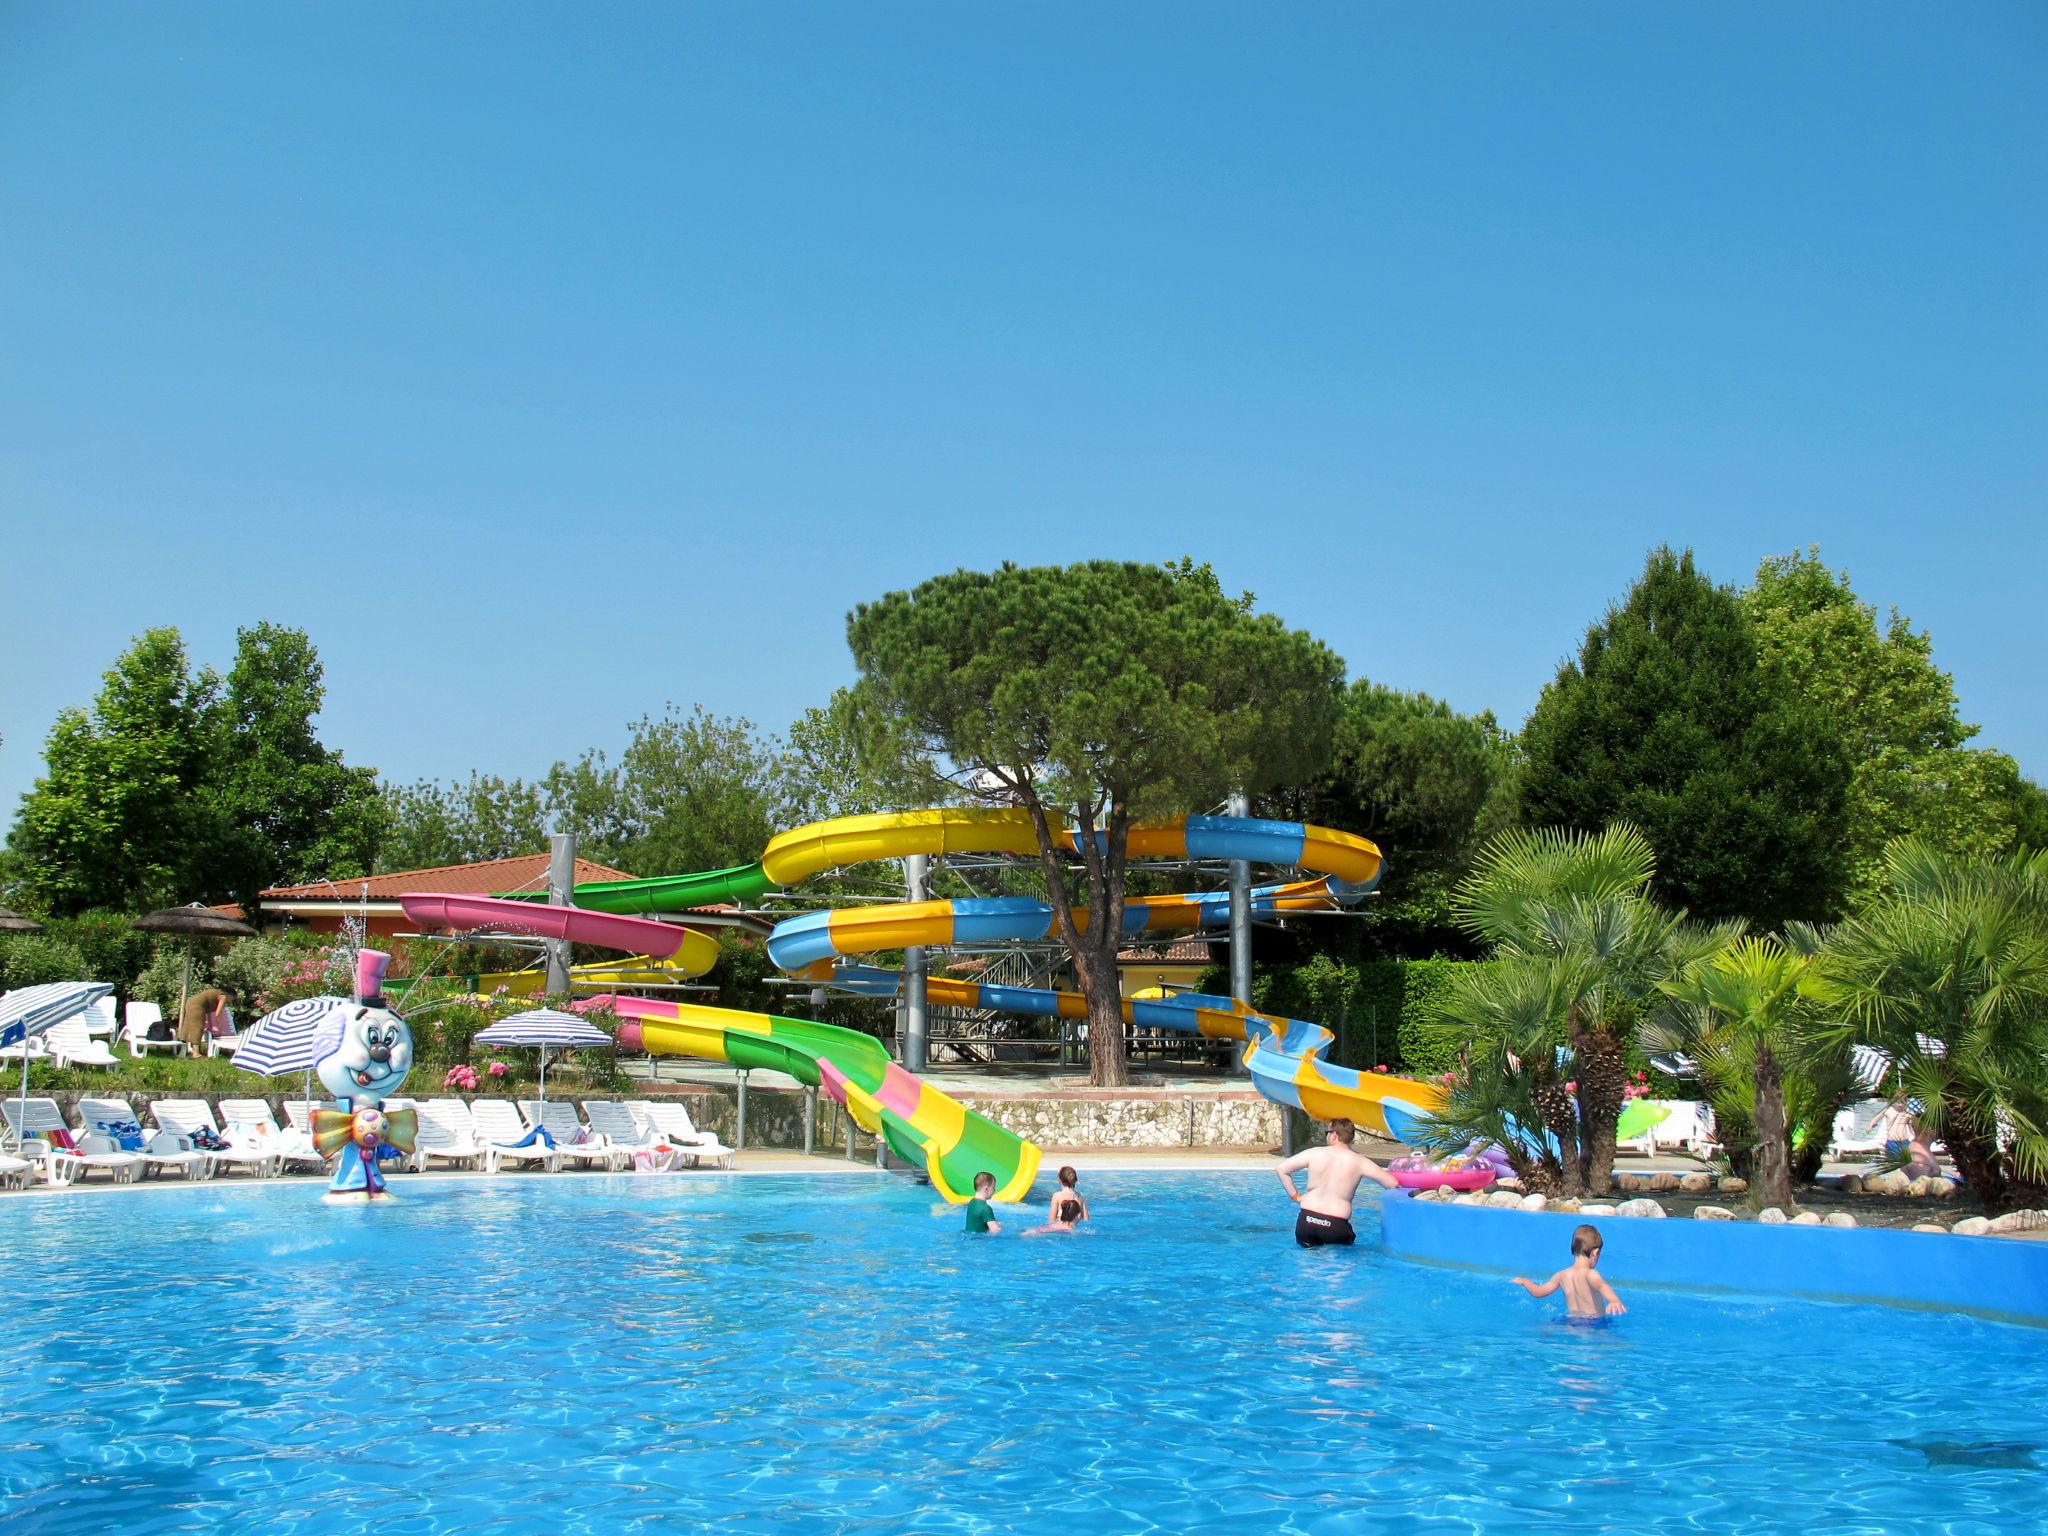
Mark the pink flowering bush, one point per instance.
(497, 1069)
(266, 973)
(463, 1077)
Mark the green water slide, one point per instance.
(924, 1126)
(665, 893)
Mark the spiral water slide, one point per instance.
(1285, 1057)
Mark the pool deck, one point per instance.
(766, 1161)
(1022, 1081)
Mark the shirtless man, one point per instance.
(1334, 1172)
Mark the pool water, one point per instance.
(568, 1356)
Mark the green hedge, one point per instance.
(1374, 1007)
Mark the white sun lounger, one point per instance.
(33, 1048)
(1689, 1124)
(162, 1151)
(1856, 1129)
(573, 1139)
(72, 1045)
(251, 1120)
(671, 1119)
(141, 1018)
(187, 1117)
(447, 1132)
(37, 1121)
(630, 1134)
(500, 1129)
(18, 1171)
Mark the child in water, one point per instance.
(1584, 1288)
(981, 1216)
(1067, 1209)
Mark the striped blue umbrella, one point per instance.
(548, 1028)
(29, 1012)
(294, 1037)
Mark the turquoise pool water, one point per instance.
(558, 1357)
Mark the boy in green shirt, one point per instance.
(981, 1216)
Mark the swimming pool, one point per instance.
(569, 1356)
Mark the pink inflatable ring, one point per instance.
(1442, 1178)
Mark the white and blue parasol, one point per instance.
(547, 1028)
(27, 1013)
(293, 1038)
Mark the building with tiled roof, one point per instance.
(1154, 970)
(322, 904)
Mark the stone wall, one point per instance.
(1211, 1120)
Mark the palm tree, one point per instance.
(1577, 947)
(1948, 974)
(1746, 1014)
(1506, 1023)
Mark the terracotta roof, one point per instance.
(1179, 952)
(529, 872)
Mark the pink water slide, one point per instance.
(487, 914)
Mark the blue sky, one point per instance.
(549, 363)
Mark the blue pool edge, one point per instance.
(1998, 1279)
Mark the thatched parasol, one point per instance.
(14, 922)
(193, 922)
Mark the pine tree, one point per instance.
(1669, 720)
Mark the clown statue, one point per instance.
(367, 1057)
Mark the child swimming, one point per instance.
(1585, 1290)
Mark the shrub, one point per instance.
(253, 972)
(160, 980)
(114, 952)
(1426, 1051)
(1377, 1009)
(29, 959)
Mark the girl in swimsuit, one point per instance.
(1067, 1206)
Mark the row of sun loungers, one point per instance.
(489, 1135)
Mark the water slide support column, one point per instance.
(561, 882)
(739, 1140)
(1240, 916)
(1241, 948)
(914, 1034)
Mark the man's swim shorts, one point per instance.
(1312, 1229)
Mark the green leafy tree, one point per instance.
(1095, 695)
(843, 760)
(1576, 947)
(1424, 782)
(1670, 720)
(280, 806)
(117, 820)
(1948, 975)
(1877, 687)
(177, 785)
(691, 792)
(430, 824)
